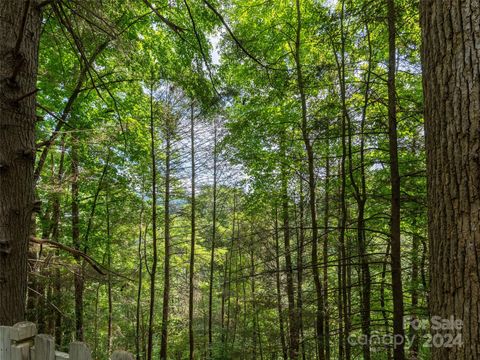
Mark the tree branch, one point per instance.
(70, 250)
(237, 41)
(167, 22)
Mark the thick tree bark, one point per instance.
(19, 39)
(451, 63)
(397, 290)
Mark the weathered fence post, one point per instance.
(122, 355)
(79, 351)
(44, 347)
(5, 342)
(21, 339)
(15, 341)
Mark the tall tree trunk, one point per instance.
(79, 273)
(37, 271)
(55, 235)
(348, 289)
(237, 306)
(360, 197)
(237, 291)
(109, 276)
(326, 225)
(192, 240)
(166, 283)
(292, 313)
(341, 327)
(244, 301)
(382, 297)
(311, 186)
(50, 321)
(414, 348)
(279, 292)
(212, 250)
(397, 290)
(57, 289)
(300, 252)
(95, 322)
(451, 63)
(227, 282)
(19, 39)
(343, 193)
(153, 270)
(224, 298)
(138, 334)
(256, 334)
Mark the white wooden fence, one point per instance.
(21, 342)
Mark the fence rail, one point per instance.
(21, 342)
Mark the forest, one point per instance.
(242, 179)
